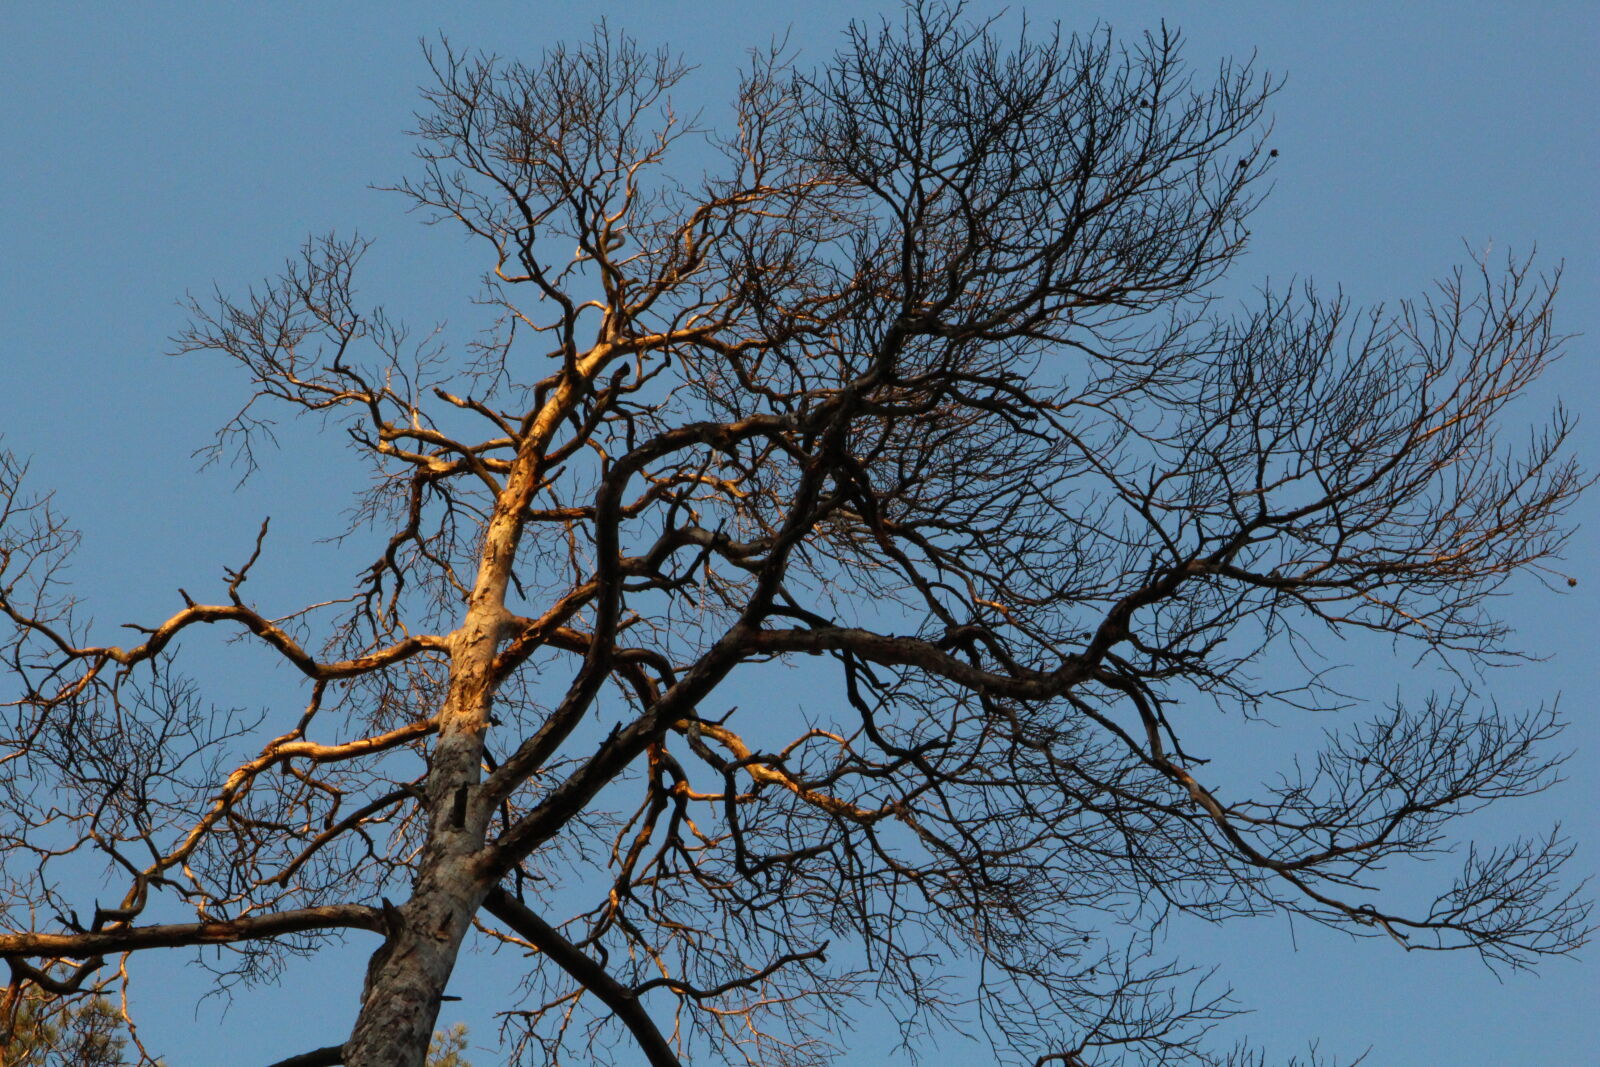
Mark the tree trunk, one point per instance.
(406, 977)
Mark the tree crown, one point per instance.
(922, 384)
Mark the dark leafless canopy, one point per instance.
(918, 411)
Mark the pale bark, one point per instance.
(406, 977)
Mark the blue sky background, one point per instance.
(155, 149)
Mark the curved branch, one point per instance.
(624, 1003)
(914, 652)
(251, 620)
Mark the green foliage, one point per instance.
(447, 1046)
(48, 1032)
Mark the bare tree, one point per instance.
(923, 388)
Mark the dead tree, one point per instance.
(920, 391)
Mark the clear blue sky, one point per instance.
(153, 149)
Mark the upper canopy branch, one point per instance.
(251, 620)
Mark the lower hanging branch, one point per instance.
(332, 1056)
(175, 935)
(623, 1002)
